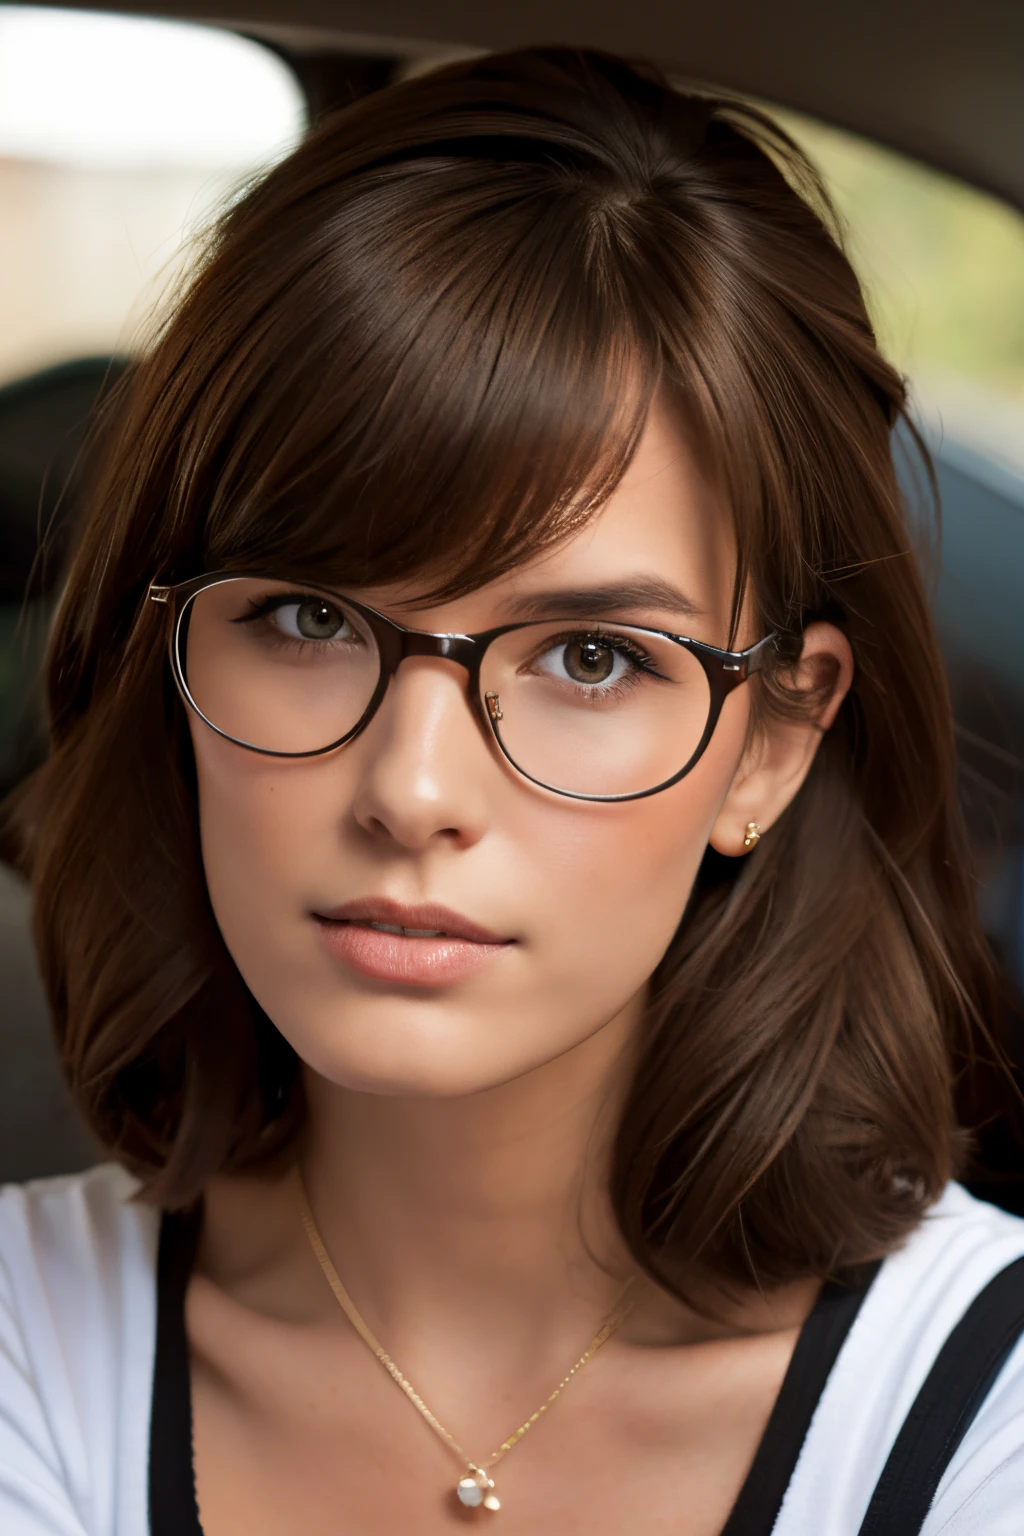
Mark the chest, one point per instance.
(313, 1435)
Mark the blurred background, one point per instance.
(121, 137)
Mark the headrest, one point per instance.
(43, 423)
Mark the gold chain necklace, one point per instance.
(478, 1488)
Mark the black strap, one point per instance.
(957, 1385)
(172, 1492)
(817, 1348)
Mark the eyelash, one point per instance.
(262, 610)
(636, 654)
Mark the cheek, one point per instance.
(611, 897)
(259, 820)
(613, 880)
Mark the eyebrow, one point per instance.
(611, 597)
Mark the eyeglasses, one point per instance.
(591, 710)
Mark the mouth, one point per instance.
(427, 945)
(409, 933)
(428, 920)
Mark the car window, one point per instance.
(119, 136)
(943, 266)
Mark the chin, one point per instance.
(402, 1049)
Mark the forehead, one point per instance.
(665, 526)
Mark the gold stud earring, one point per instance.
(752, 836)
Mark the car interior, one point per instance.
(123, 131)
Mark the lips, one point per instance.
(425, 945)
(427, 918)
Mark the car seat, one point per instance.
(44, 420)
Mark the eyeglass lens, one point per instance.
(590, 709)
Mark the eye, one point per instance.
(592, 662)
(312, 619)
(587, 660)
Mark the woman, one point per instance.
(498, 878)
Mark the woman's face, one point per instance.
(421, 810)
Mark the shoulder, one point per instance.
(77, 1335)
(918, 1297)
(75, 1250)
(983, 1489)
(57, 1212)
(923, 1289)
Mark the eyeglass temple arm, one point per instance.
(759, 653)
(159, 594)
(744, 663)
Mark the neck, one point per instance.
(466, 1211)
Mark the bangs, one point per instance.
(440, 377)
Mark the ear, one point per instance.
(780, 752)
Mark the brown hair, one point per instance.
(424, 346)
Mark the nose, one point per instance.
(424, 765)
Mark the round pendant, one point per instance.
(478, 1491)
(469, 1491)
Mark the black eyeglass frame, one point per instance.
(725, 670)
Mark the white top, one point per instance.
(78, 1334)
